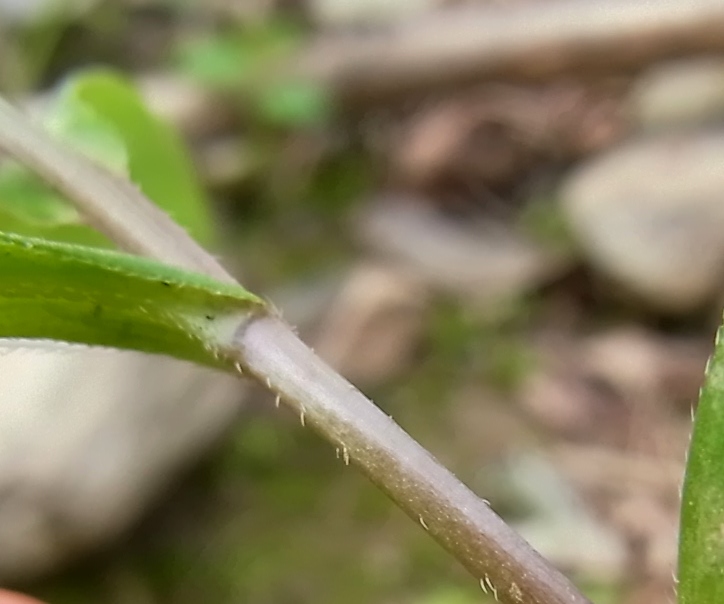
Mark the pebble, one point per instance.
(89, 438)
(649, 214)
(686, 92)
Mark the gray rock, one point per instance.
(651, 215)
(680, 93)
(89, 438)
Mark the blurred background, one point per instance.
(500, 218)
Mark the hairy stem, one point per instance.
(464, 524)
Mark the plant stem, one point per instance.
(363, 435)
(266, 348)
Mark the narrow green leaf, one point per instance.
(701, 539)
(91, 296)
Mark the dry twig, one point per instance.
(530, 41)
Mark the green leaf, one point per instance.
(217, 61)
(158, 161)
(239, 57)
(25, 198)
(701, 539)
(98, 297)
(28, 205)
(294, 104)
(248, 62)
(99, 113)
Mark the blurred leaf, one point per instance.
(341, 180)
(248, 62)
(450, 595)
(294, 104)
(158, 161)
(231, 59)
(83, 128)
(29, 206)
(100, 114)
(99, 297)
(701, 540)
(511, 363)
(25, 198)
(216, 61)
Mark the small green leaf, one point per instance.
(701, 540)
(97, 297)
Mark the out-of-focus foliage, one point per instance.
(157, 159)
(701, 543)
(243, 62)
(29, 206)
(98, 113)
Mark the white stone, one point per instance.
(651, 215)
(89, 438)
